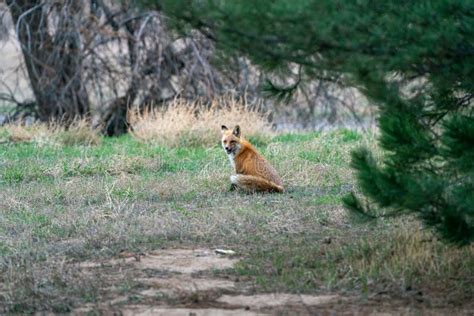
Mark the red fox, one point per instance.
(252, 172)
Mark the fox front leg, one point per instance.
(233, 183)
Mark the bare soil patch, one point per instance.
(194, 282)
(269, 300)
(182, 282)
(150, 310)
(173, 260)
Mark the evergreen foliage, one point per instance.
(413, 59)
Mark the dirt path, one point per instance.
(192, 282)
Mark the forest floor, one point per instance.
(127, 227)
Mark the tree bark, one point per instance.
(53, 62)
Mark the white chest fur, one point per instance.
(232, 160)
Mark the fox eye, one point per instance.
(232, 141)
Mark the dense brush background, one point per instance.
(144, 64)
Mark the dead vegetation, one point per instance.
(119, 57)
(184, 123)
(79, 132)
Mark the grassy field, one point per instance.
(63, 203)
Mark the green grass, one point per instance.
(73, 203)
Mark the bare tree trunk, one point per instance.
(54, 62)
(115, 118)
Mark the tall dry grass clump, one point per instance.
(184, 123)
(79, 132)
(407, 257)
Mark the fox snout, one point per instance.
(231, 147)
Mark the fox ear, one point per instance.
(223, 128)
(236, 131)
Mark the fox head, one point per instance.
(231, 139)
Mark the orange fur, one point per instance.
(252, 172)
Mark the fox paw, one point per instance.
(232, 187)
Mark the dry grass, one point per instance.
(409, 257)
(196, 124)
(19, 133)
(79, 132)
